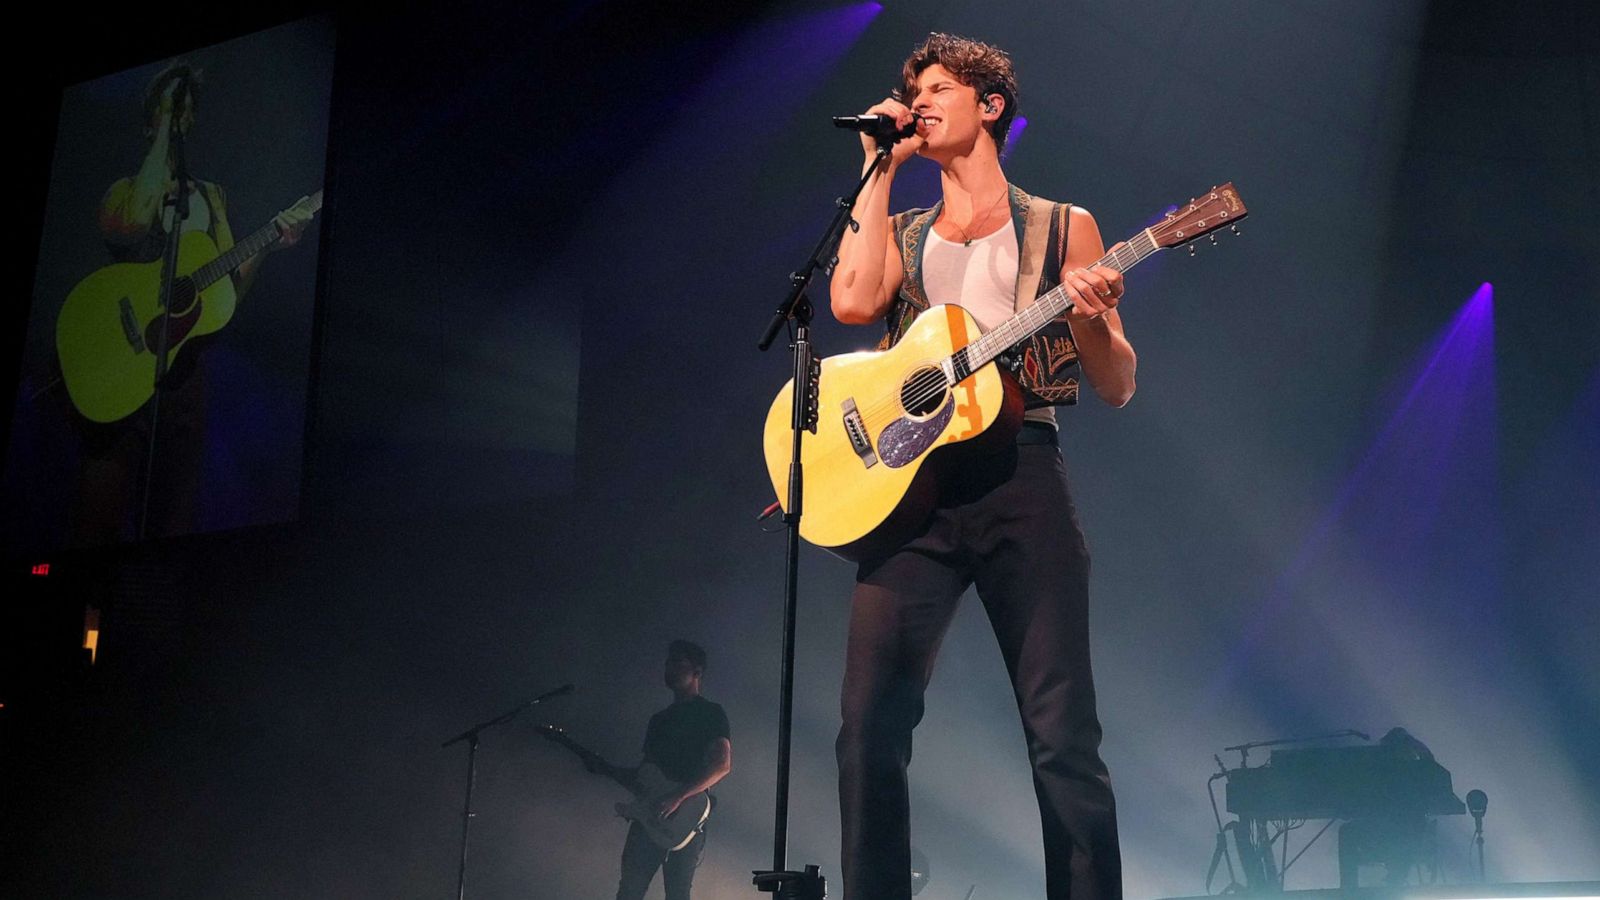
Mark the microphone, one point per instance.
(562, 691)
(1477, 804)
(878, 126)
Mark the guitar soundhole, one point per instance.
(923, 393)
(182, 295)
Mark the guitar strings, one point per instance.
(930, 383)
(927, 384)
(1011, 331)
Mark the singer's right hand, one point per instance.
(164, 109)
(903, 149)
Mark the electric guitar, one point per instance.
(110, 325)
(672, 833)
(888, 422)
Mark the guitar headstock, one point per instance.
(1216, 209)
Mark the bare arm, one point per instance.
(718, 763)
(1104, 352)
(291, 224)
(129, 209)
(869, 272)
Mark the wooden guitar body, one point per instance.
(109, 326)
(871, 473)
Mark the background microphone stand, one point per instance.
(1478, 804)
(169, 287)
(471, 737)
(796, 308)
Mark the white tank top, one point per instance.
(199, 218)
(980, 277)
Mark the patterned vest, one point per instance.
(1046, 364)
(154, 244)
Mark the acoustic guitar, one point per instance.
(888, 422)
(110, 325)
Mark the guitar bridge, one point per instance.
(857, 430)
(130, 326)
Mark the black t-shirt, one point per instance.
(677, 737)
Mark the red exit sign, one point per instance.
(41, 569)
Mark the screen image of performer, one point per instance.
(1005, 521)
(135, 220)
(689, 742)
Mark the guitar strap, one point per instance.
(1035, 240)
(220, 232)
(1046, 363)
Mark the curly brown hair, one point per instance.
(983, 67)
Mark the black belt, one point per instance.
(1037, 433)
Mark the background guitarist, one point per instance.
(135, 219)
(689, 742)
(1005, 521)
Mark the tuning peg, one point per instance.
(1235, 229)
(1213, 238)
(1191, 249)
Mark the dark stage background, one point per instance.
(1356, 488)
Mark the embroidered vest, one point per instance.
(1046, 364)
(154, 244)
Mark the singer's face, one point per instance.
(949, 109)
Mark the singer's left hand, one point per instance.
(1094, 291)
(292, 223)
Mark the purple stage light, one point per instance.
(1161, 216)
(1418, 516)
(1018, 125)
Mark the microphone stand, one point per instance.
(471, 737)
(1477, 844)
(780, 880)
(169, 284)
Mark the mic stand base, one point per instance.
(807, 885)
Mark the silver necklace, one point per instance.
(974, 224)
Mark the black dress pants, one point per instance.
(1007, 525)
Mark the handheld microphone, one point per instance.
(878, 126)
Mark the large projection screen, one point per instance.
(102, 451)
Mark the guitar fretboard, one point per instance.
(1025, 324)
(259, 240)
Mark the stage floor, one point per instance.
(1568, 890)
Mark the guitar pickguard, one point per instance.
(179, 323)
(906, 439)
